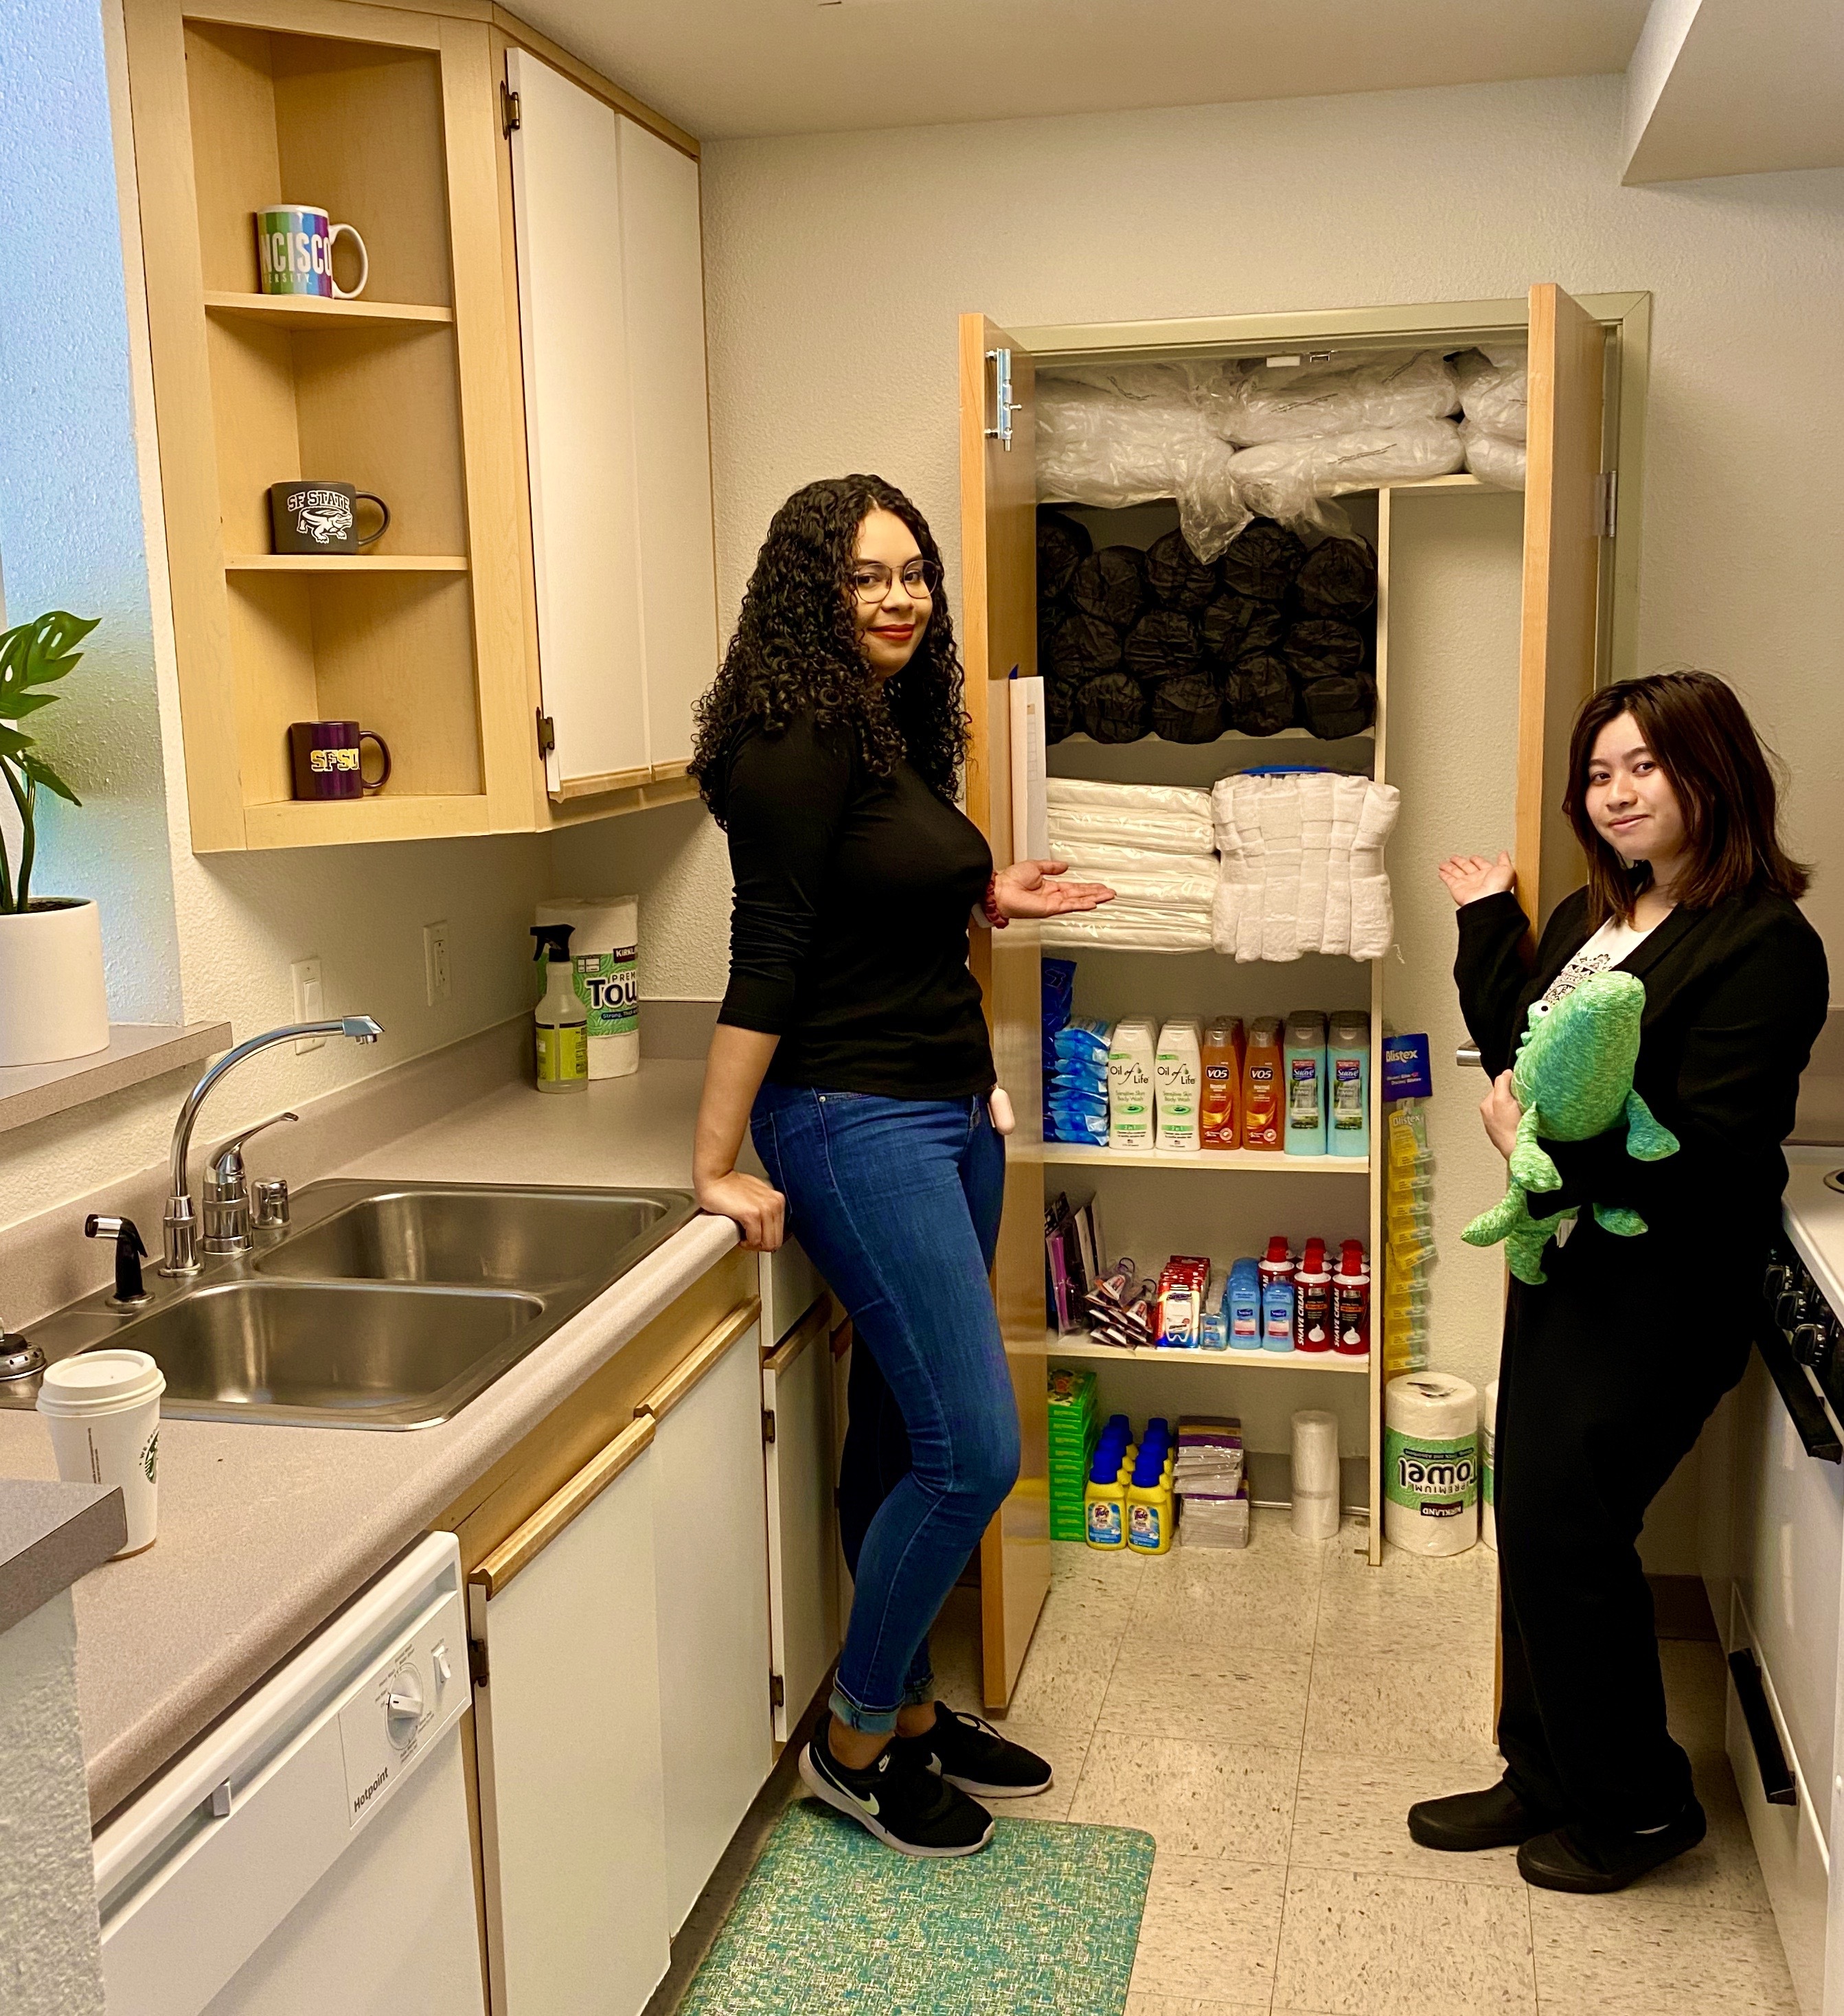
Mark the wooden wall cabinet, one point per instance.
(392, 121)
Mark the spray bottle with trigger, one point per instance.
(561, 1020)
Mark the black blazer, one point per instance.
(1735, 995)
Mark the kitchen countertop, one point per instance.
(265, 1531)
(50, 1535)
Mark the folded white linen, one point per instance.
(1127, 929)
(1373, 921)
(1315, 847)
(1081, 827)
(1102, 864)
(1086, 794)
(1138, 889)
(1348, 795)
(1282, 829)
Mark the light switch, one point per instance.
(310, 1001)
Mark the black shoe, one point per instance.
(1467, 1821)
(973, 1754)
(908, 1809)
(1571, 1859)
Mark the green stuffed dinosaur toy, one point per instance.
(1573, 1077)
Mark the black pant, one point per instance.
(1609, 1371)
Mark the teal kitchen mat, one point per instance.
(1043, 1923)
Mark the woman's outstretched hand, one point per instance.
(1500, 1112)
(759, 1209)
(1025, 889)
(1470, 877)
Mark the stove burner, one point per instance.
(1835, 1180)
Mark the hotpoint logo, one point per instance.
(364, 1798)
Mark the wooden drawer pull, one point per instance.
(523, 1546)
(678, 1383)
(811, 1327)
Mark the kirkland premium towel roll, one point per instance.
(1431, 1447)
(1315, 1474)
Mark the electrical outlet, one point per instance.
(435, 961)
(310, 1001)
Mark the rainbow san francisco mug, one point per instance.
(294, 247)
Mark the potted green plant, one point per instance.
(53, 1002)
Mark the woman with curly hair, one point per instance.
(851, 1043)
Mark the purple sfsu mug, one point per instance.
(325, 757)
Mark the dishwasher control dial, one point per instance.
(403, 1707)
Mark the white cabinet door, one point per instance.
(579, 433)
(803, 1524)
(712, 1572)
(573, 1816)
(663, 269)
(611, 309)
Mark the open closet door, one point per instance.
(1562, 529)
(999, 633)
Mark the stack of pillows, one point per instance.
(1272, 636)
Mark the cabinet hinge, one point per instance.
(477, 1661)
(767, 1424)
(1004, 406)
(546, 733)
(509, 111)
(778, 1692)
(1607, 503)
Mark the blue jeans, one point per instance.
(896, 1202)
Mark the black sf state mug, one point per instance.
(312, 517)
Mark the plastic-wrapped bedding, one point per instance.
(1059, 711)
(1188, 708)
(1333, 708)
(1062, 541)
(1321, 648)
(1078, 834)
(1080, 647)
(1493, 458)
(1093, 794)
(1190, 894)
(1234, 624)
(1161, 645)
(1263, 561)
(1177, 578)
(1111, 586)
(1110, 707)
(1286, 479)
(1100, 862)
(1258, 695)
(1495, 390)
(1248, 402)
(1339, 577)
(1126, 928)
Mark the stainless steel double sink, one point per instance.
(381, 1305)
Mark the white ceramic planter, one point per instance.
(53, 1002)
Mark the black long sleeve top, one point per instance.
(1734, 996)
(848, 932)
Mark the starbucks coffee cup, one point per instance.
(103, 1409)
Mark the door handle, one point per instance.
(1468, 1054)
(1807, 1410)
(1776, 1777)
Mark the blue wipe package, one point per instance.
(1406, 1073)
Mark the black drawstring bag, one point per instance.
(1234, 624)
(1338, 579)
(1338, 707)
(1111, 586)
(1112, 707)
(1059, 711)
(1187, 708)
(1177, 579)
(1262, 560)
(1081, 647)
(1322, 648)
(1162, 645)
(1062, 543)
(1258, 695)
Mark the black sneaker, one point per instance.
(908, 1809)
(1466, 1822)
(1574, 1860)
(973, 1754)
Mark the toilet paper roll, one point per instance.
(1431, 1441)
(605, 933)
(1489, 1466)
(1315, 1474)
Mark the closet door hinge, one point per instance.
(768, 1424)
(477, 1661)
(1003, 406)
(546, 733)
(1607, 503)
(509, 111)
(778, 1692)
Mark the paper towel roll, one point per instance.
(605, 933)
(1315, 1474)
(1488, 1468)
(1431, 1440)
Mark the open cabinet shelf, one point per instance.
(310, 311)
(346, 564)
(1079, 1350)
(1248, 1161)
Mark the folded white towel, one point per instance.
(1373, 922)
(1348, 796)
(1315, 848)
(1082, 827)
(1282, 827)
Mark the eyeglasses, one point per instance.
(871, 580)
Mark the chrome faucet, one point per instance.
(227, 1192)
(180, 1226)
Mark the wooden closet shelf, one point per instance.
(1060, 1347)
(304, 311)
(1265, 1161)
(346, 564)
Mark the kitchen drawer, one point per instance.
(1787, 1553)
(790, 1286)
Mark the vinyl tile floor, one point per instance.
(1268, 1717)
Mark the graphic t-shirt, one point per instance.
(1616, 941)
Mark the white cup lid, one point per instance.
(97, 1382)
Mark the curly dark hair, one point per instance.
(796, 647)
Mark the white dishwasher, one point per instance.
(311, 1852)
